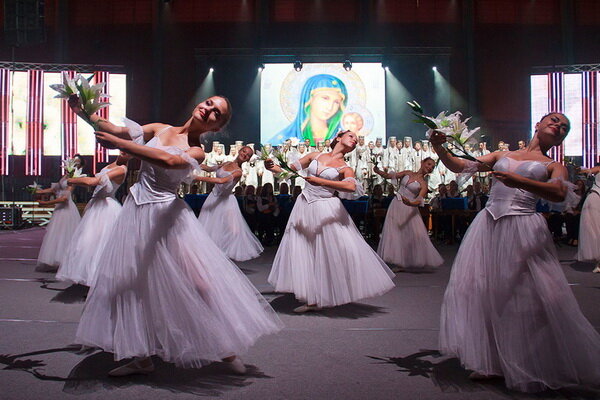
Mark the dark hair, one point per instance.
(81, 160)
(560, 113)
(225, 117)
(337, 137)
(427, 159)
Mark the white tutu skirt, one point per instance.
(92, 233)
(404, 240)
(58, 236)
(164, 288)
(508, 309)
(224, 223)
(324, 260)
(589, 230)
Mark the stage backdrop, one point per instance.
(321, 99)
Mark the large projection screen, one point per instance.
(320, 100)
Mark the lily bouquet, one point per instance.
(456, 130)
(73, 171)
(287, 172)
(33, 188)
(90, 96)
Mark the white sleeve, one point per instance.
(195, 169)
(135, 131)
(571, 200)
(358, 192)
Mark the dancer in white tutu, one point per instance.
(508, 310)
(160, 288)
(589, 228)
(322, 258)
(62, 225)
(221, 216)
(404, 239)
(93, 231)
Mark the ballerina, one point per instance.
(93, 231)
(161, 289)
(404, 240)
(322, 258)
(221, 216)
(62, 225)
(508, 310)
(589, 228)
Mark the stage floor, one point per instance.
(381, 348)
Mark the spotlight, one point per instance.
(211, 69)
(434, 68)
(347, 65)
(261, 67)
(298, 65)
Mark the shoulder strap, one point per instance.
(163, 130)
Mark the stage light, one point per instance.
(434, 68)
(298, 65)
(211, 69)
(261, 67)
(347, 65)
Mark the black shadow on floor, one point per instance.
(91, 374)
(285, 304)
(451, 377)
(582, 266)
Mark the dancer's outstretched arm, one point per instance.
(390, 175)
(591, 171)
(234, 175)
(107, 126)
(115, 174)
(340, 186)
(58, 200)
(208, 168)
(457, 164)
(304, 163)
(44, 191)
(150, 154)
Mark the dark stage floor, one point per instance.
(381, 348)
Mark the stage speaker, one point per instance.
(24, 22)
(11, 217)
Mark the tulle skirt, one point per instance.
(404, 240)
(164, 288)
(508, 309)
(224, 223)
(324, 260)
(58, 236)
(589, 229)
(92, 233)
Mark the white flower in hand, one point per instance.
(67, 88)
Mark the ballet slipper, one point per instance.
(137, 366)
(305, 308)
(597, 269)
(236, 366)
(476, 376)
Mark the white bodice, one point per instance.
(504, 200)
(106, 188)
(156, 184)
(313, 193)
(224, 189)
(410, 190)
(60, 189)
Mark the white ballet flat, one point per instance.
(132, 368)
(597, 269)
(236, 366)
(305, 308)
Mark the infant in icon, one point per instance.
(353, 121)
